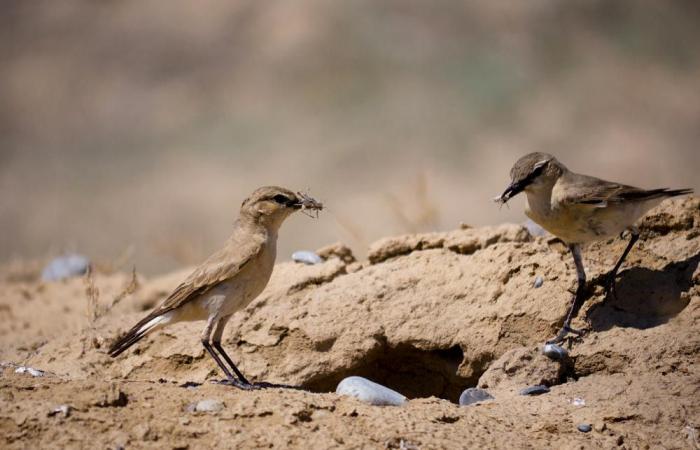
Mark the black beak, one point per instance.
(511, 191)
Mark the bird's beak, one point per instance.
(305, 202)
(511, 191)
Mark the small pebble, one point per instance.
(31, 371)
(474, 395)
(209, 405)
(63, 410)
(66, 266)
(555, 352)
(369, 392)
(539, 281)
(584, 427)
(535, 390)
(306, 257)
(578, 402)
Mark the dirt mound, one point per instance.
(427, 315)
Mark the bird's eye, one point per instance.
(538, 169)
(281, 199)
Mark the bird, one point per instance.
(228, 280)
(579, 209)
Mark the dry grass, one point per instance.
(414, 209)
(94, 311)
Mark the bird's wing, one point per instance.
(221, 266)
(597, 193)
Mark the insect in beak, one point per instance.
(308, 205)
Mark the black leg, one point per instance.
(577, 300)
(217, 346)
(207, 347)
(610, 283)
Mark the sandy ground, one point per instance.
(427, 315)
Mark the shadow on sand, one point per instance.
(646, 298)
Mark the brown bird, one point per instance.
(578, 209)
(229, 279)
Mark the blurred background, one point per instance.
(132, 131)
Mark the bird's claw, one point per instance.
(255, 386)
(610, 290)
(239, 384)
(563, 334)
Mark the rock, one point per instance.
(521, 367)
(62, 410)
(535, 390)
(584, 427)
(555, 352)
(30, 370)
(337, 250)
(306, 257)
(369, 392)
(578, 402)
(539, 281)
(111, 397)
(66, 266)
(474, 395)
(209, 405)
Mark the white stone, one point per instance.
(209, 405)
(306, 257)
(369, 392)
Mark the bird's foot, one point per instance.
(247, 386)
(266, 385)
(563, 334)
(238, 384)
(610, 290)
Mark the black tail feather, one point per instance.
(677, 192)
(655, 193)
(130, 338)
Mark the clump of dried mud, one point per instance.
(427, 315)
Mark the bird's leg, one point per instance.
(241, 382)
(577, 300)
(216, 341)
(230, 379)
(610, 282)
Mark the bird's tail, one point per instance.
(135, 334)
(677, 192)
(656, 193)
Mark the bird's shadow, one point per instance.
(645, 298)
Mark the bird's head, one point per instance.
(532, 172)
(270, 205)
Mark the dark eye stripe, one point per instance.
(534, 174)
(281, 199)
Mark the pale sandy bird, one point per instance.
(579, 209)
(229, 279)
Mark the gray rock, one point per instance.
(555, 352)
(584, 427)
(474, 395)
(306, 257)
(534, 229)
(369, 392)
(539, 281)
(66, 266)
(535, 390)
(209, 405)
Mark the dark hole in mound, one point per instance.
(413, 372)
